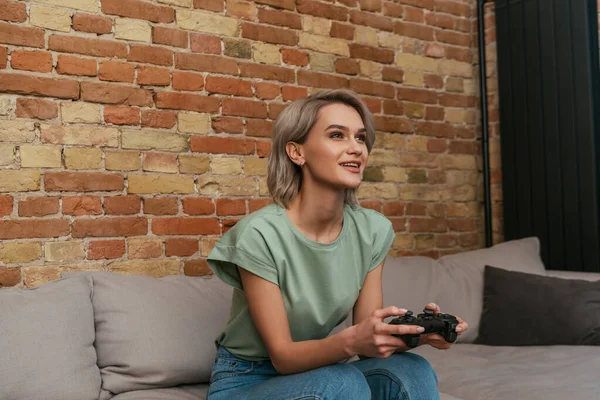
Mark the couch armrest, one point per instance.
(587, 276)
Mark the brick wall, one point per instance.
(133, 134)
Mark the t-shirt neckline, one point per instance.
(311, 242)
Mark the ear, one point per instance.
(295, 152)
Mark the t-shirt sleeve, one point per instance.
(383, 236)
(247, 248)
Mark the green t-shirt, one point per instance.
(319, 282)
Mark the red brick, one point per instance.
(434, 129)
(81, 205)
(36, 108)
(373, 104)
(34, 228)
(281, 18)
(458, 53)
(342, 31)
(153, 76)
(231, 207)
(267, 72)
(6, 205)
(453, 7)
(159, 119)
(441, 20)
(200, 43)
(111, 93)
(187, 81)
(393, 74)
(21, 36)
(364, 86)
(417, 95)
(71, 65)
(186, 226)
(257, 204)
(121, 115)
(372, 20)
(3, 57)
(228, 125)
(34, 85)
(413, 30)
(263, 148)
(462, 225)
(347, 66)
(169, 37)
(349, 3)
(434, 50)
(426, 4)
(244, 108)
(461, 147)
(196, 267)
(39, 61)
(269, 34)
(110, 227)
(434, 81)
(383, 56)
(211, 5)
(398, 224)
(456, 100)
(150, 55)
(92, 23)
(428, 225)
(181, 247)
(123, 205)
(319, 80)
(393, 9)
(116, 71)
(83, 181)
(393, 208)
(258, 127)
(236, 87)
(88, 46)
(322, 10)
(434, 113)
(294, 57)
(185, 101)
(416, 209)
(13, 11)
(138, 9)
(291, 93)
(393, 124)
(275, 109)
(393, 107)
(286, 4)
(266, 91)
(106, 249)
(10, 277)
(161, 206)
(38, 206)
(217, 145)
(206, 63)
(456, 38)
(198, 206)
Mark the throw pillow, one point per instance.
(521, 309)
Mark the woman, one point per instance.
(299, 266)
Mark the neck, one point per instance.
(318, 212)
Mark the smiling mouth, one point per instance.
(351, 166)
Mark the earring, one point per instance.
(301, 164)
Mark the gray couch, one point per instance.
(126, 337)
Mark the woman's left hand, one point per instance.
(436, 340)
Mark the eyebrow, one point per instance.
(344, 128)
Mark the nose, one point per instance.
(355, 147)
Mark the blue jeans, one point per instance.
(404, 376)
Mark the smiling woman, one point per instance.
(300, 266)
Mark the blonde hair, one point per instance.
(284, 178)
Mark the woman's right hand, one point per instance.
(372, 337)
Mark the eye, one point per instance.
(362, 138)
(336, 135)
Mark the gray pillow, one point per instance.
(157, 332)
(47, 342)
(462, 292)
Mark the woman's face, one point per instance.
(335, 150)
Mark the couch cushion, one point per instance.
(157, 333)
(158, 394)
(46, 342)
(522, 309)
(475, 372)
(462, 293)
(412, 282)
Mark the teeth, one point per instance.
(350, 165)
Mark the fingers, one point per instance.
(389, 312)
(434, 307)
(387, 329)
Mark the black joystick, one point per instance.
(442, 324)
